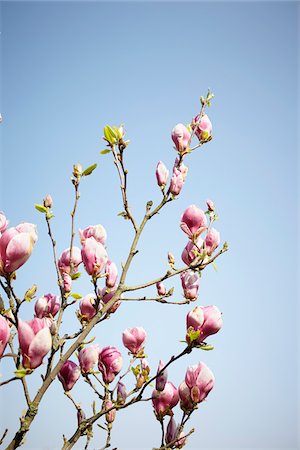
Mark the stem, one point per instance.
(162, 431)
(77, 196)
(59, 279)
(9, 380)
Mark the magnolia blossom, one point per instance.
(98, 232)
(106, 296)
(48, 201)
(110, 415)
(134, 339)
(69, 374)
(181, 137)
(161, 289)
(87, 306)
(164, 401)
(190, 283)
(186, 402)
(162, 174)
(193, 221)
(206, 319)
(4, 334)
(200, 380)
(181, 167)
(94, 256)
(212, 241)
(16, 245)
(112, 274)
(35, 341)
(47, 306)
(67, 280)
(191, 250)
(110, 363)
(121, 393)
(177, 182)
(64, 263)
(202, 126)
(88, 357)
(210, 205)
(3, 222)
(162, 379)
(172, 434)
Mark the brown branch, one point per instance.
(3, 436)
(9, 380)
(155, 299)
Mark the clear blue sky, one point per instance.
(68, 69)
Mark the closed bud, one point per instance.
(87, 307)
(110, 363)
(171, 259)
(134, 340)
(64, 261)
(191, 250)
(77, 170)
(193, 222)
(69, 374)
(94, 257)
(162, 174)
(181, 137)
(161, 289)
(4, 334)
(121, 393)
(35, 341)
(48, 201)
(80, 416)
(110, 415)
(145, 367)
(202, 126)
(67, 280)
(112, 274)
(88, 357)
(162, 379)
(177, 182)
(190, 283)
(212, 241)
(30, 293)
(210, 205)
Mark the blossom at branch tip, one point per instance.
(88, 357)
(87, 307)
(190, 283)
(121, 393)
(164, 401)
(94, 257)
(64, 263)
(210, 205)
(162, 174)
(212, 241)
(35, 341)
(172, 434)
(202, 127)
(191, 250)
(181, 137)
(162, 379)
(3, 222)
(110, 363)
(200, 380)
(48, 202)
(16, 245)
(193, 221)
(4, 334)
(134, 340)
(69, 374)
(112, 274)
(98, 232)
(207, 319)
(106, 295)
(47, 306)
(161, 289)
(177, 182)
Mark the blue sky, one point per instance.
(68, 69)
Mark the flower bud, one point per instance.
(162, 174)
(172, 434)
(106, 297)
(94, 257)
(30, 293)
(190, 283)
(88, 356)
(47, 306)
(69, 374)
(161, 289)
(212, 241)
(110, 415)
(112, 274)
(48, 201)
(64, 263)
(35, 342)
(200, 380)
(77, 170)
(134, 340)
(80, 416)
(110, 363)
(202, 126)
(164, 401)
(121, 393)
(193, 221)
(194, 320)
(177, 182)
(4, 334)
(186, 402)
(3, 222)
(181, 167)
(98, 232)
(191, 250)
(210, 205)
(16, 245)
(181, 137)
(212, 321)
(87, 307)
(171, 259)
(67, 280)
(162, 379)
(145, 367)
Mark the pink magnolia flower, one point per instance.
(110, 363)
(69, 374)
(162, 379)
(190, 283)
(181, 167)
(35, 341)
(48, 201)
(112, 274)
(121, 393)
(134, 339)
(64, 263)
(16, 245)
(207, 319)
(161, 289)
(193, 221)
(67, 280)
(3, 222)
(210, 205)
(195, 318)
(87, 306)
(110, 415)
(172, 434)
(164, 401)
(4, 334)
(94, 256)
(106, 297)
(186, 402)
(190, 251)
(47, 306)
(203, 127)
(212, 241)
(181, 137)
(98, 232)
(177, 182)
(200, 380)
(88, 356)
(162, 174)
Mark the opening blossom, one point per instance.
(47, 306)
(110, 363)
(212, 241)
(207, 319)
(190, 283)
(98, 232)
(88, 357)
(94, 256)
(200, 380)
(69, 374)
(191, 250)
(35, 342)
(87, 307)
(64, 263)
(193, 221)
(164, 401)
(134, 340)
(181, 137)
(4, 334)
(203, 129)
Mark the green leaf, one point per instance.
(122, 213)
(89, 170)
(104, 152)
(206, 347)
(21, 373)
(215, 266)
(75, 276)
(76, 296)
(135, 370)
(110, 135)
(41, 208)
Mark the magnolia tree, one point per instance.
(70, 357)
